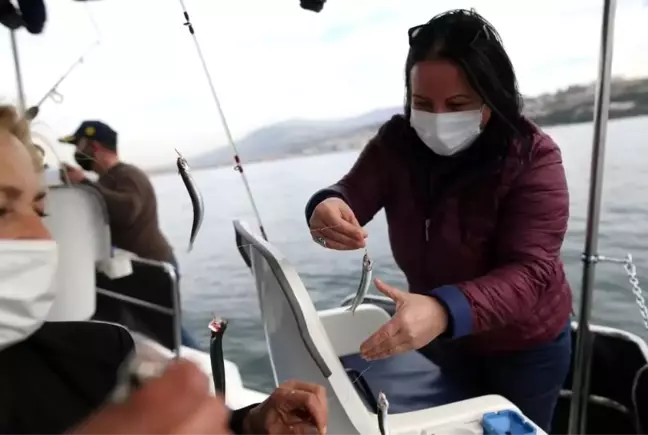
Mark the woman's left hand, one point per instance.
(418, 320)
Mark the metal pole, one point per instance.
(583, 355)
(21, 89)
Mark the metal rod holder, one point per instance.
(584, 338)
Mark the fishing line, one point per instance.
(362, 373)
(228, 133)
(356, 379)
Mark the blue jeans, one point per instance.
(530, 378)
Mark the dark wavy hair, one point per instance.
(466, 39)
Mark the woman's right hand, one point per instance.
(333, 225)
(178, 402)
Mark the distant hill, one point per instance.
(576, 103)
(290, 137)
(304, 137)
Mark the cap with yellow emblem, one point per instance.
(95, 130)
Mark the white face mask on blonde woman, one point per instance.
(26, 293)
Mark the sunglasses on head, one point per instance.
(422, 32)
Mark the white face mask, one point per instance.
(27, 268)
(447, 133)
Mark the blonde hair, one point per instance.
(19, 127)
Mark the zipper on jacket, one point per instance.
(427, 229)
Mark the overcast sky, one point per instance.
(272, 60)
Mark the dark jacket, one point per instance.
(61, 374)
(482, 234)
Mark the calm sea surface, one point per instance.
(215, 279)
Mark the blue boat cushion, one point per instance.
(410, 381)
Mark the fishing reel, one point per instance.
(312, 5)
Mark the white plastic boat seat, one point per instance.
(78, 221)
(298, 345)
(410, 381)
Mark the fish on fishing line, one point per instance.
(196, 198)
(217, 328)
(365, 282)
(237, 159)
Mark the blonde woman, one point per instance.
(55, 376)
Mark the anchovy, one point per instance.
(383, 408)
(217, 329)
(365, 282)
(194, 194)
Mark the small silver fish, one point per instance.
(217, 328)
(365, 282)
(194, 194)
(383, 408)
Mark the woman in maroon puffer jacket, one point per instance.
(477, 207)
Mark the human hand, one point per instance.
(178, 402)
(333, 225)
(418, 320)
(294, 407)
(75, 175)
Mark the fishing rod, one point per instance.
(53, 92)
(237, 160)
(584, 337)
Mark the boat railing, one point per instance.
(146, 301)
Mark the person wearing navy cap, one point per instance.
(127, 191)
(87, 137)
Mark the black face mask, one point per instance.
(84, 160)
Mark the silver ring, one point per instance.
(321, 241)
